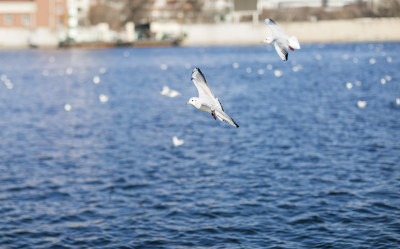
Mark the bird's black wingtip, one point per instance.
(196, 69)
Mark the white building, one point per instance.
(78, 13)
(218, 5)
(79, 9)
(32, 23)
(275, 4)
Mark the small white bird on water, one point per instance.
(103, 98)
(361, 104)
(166, 91)
(206, 101)
(177, 142)
(280, 39)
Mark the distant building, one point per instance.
(17, 14)
(78, 15)
(218, 5)
(181, 11)
(32, 22)
(275, 4)
(33, 14)
(79, 10)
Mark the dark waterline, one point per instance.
(307, 168)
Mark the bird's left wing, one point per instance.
(281, 47)
(221, 115)
(201, 84)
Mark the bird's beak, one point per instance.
(187, 102)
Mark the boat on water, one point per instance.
(139, 43)
(143, 38)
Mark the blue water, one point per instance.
(307, 168)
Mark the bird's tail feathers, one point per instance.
(294, 43)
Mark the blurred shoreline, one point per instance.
(355, 30)
(330, 31)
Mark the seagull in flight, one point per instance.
(206, 101)
(280, 39)
(166, 91)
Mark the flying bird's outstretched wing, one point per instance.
(276, 30)
(201, 84)
(221, 115)
(281, 47)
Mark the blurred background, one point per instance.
(53, 23)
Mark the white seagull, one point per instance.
(280, 39)
(166, 91)
(177, 142)
(361, 104)
(206, 101)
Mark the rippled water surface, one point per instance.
(307, 168)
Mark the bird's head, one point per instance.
(194, 102)
(268, 40)
(165, 90)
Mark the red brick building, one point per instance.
(52, 14)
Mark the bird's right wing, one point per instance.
(201, 84)
(221, 115)
(281, 47)
(276, 30)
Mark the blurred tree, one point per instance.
(118, 12)
(193, 10)
(101, 13)
(136, 11)
(359, 9)
(106, 11)
(389, 8)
